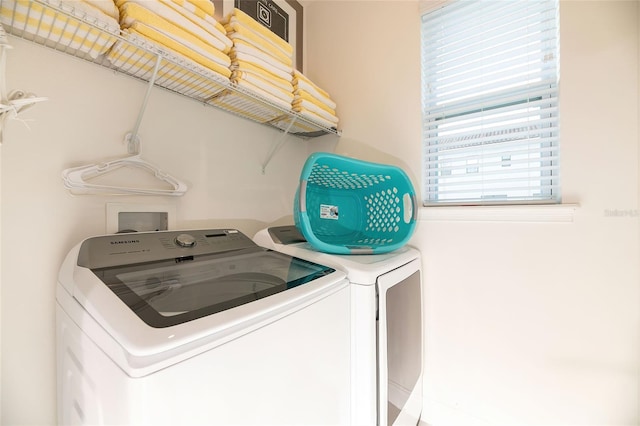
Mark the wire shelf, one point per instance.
(69, 30)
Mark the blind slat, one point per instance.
(448, 119)
(505, 97)
(445, 161)
(490, 102)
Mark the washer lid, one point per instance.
(171, 292)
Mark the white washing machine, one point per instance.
(386, 318)
(200, 327)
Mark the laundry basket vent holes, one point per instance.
(383, 206)
(323, 175)
(384, 211)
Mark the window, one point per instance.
(490, 102)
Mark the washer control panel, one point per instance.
(127, 249)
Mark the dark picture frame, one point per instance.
(296, 25)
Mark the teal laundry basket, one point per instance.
(349, 206)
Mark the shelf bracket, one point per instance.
(276, 147)
(132, 140)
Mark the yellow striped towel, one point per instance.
(270, 72)
(191, 47)
(235, 28)
(298, 127)
(304, 87)
(77, 34)
(245, 106)
(246, 46)
(191, 7)
(85, 9)
(107, 7)
(238, 16)
(240, 74)
(204, 5)
(246, 49)
(201, 83)
(282, 103)
(300, 95)
(211, 59)
(310, 115)
(164, 18)
(250, 75)
(248, 38)
(262, 61)
(208, 23)
(265, 85)
(304, 105)
(298, 77)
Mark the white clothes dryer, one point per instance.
(386, 319)
(199, 327)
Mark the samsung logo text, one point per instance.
(125, 242)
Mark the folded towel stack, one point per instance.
(183, 28)
(107, 7)
(34, 18)
(260, 60)
(313, 102)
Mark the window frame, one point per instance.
(548, 146)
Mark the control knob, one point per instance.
(185, 240)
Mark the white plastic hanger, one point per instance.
(76, 178)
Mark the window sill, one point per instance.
(549, 213)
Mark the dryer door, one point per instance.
(400, 346)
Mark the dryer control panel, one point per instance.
(127, 249)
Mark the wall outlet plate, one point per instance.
(124, 217)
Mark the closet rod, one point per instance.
(132, 139)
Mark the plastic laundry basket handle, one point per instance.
(302, 196)
(414, 208)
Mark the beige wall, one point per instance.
(526, 323)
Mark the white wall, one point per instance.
(526, 323)
(89, 112)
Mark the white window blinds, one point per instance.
(490, 102)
